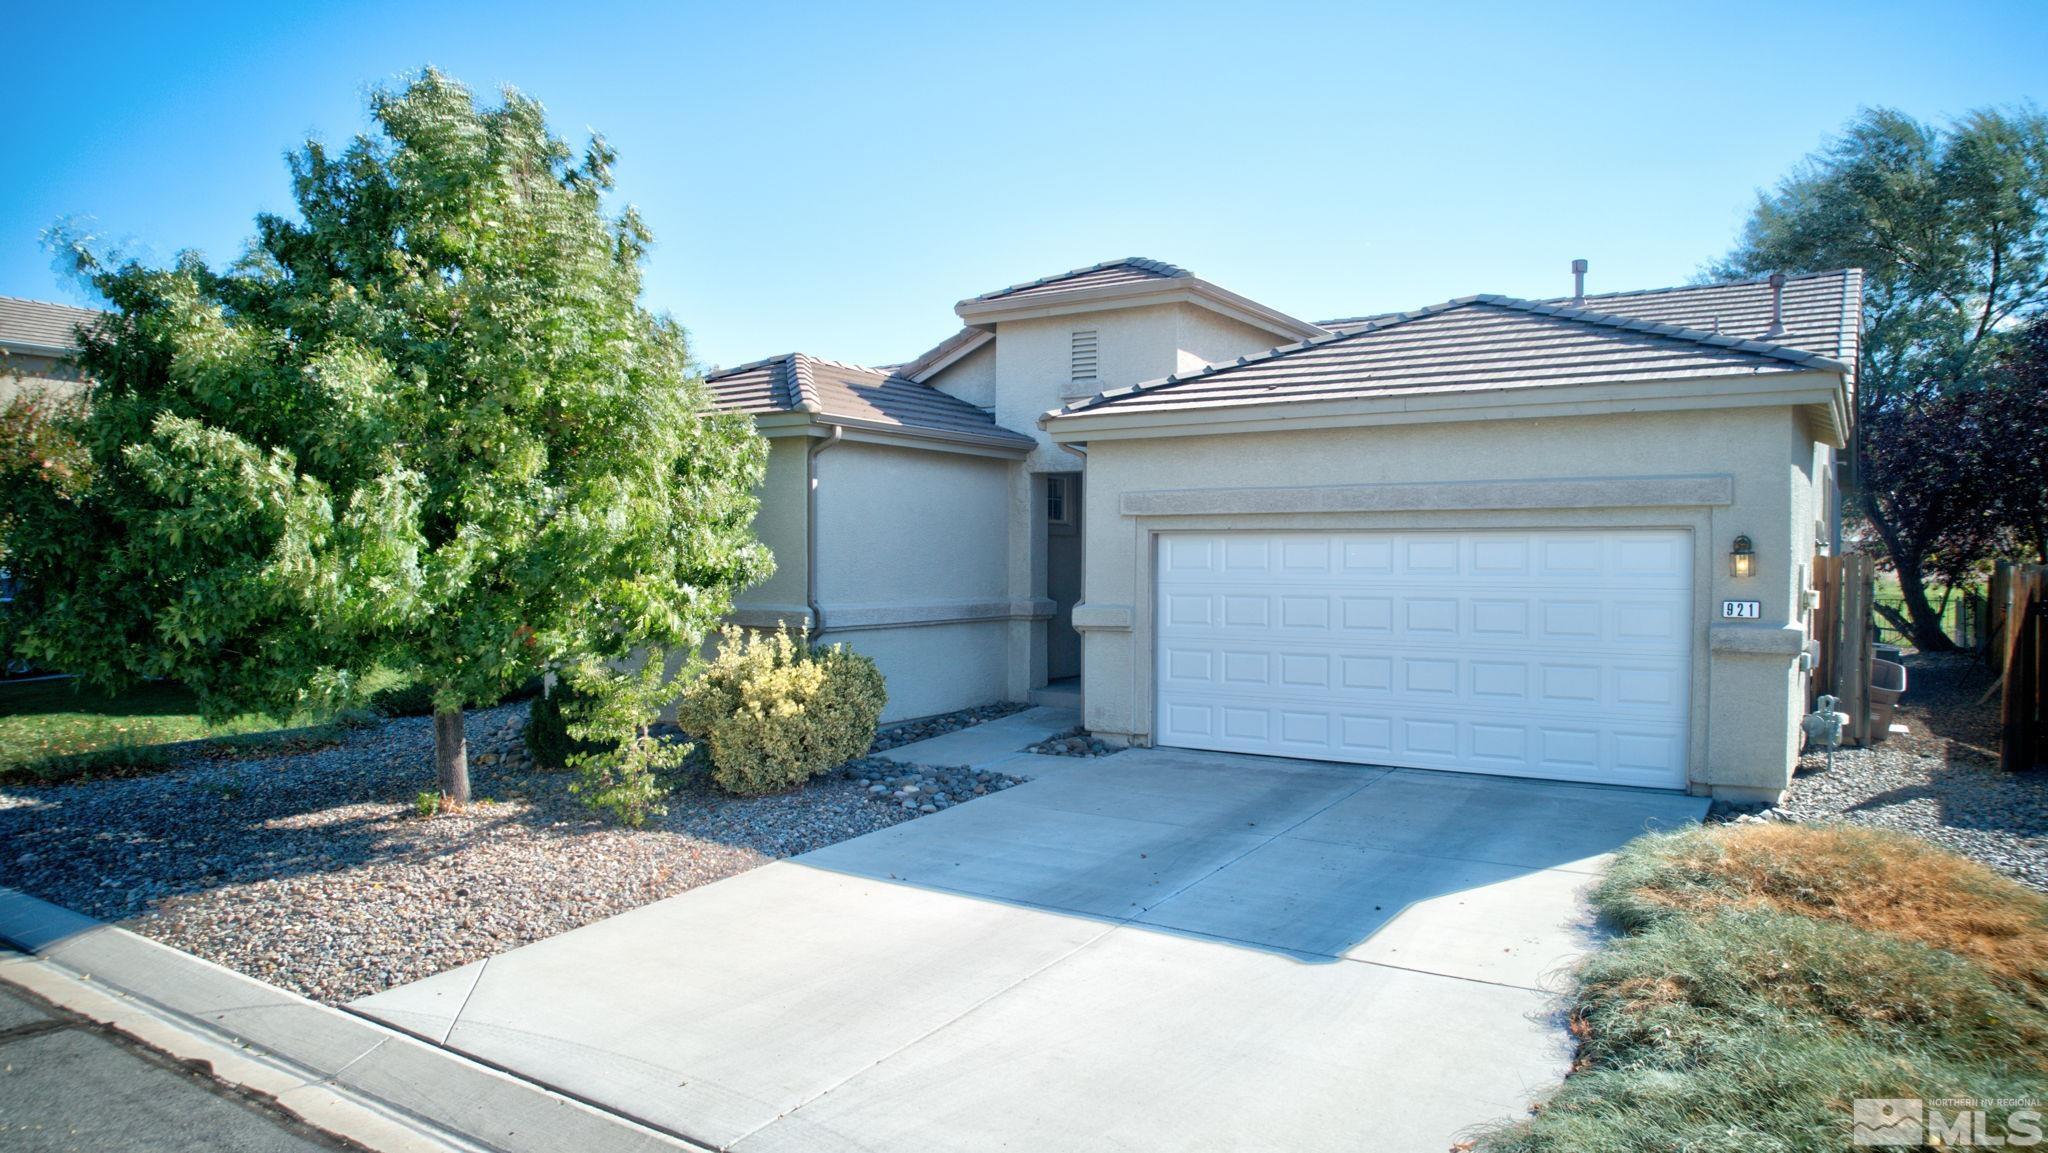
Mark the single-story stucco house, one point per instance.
(1566, 538)
(37, 340)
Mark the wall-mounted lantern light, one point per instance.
(1742, 558)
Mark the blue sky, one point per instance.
(833, 177)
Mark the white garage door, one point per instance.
(1537, 654)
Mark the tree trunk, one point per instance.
(451, 757)
(1927, 634)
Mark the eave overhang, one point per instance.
(947, 355)
(777, 425)
(1823, 396)
(1139, 294)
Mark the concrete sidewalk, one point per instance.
(990, 743)
(336, 1071)
(1161, 950)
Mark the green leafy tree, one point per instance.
(1950, 224)
(425, 425)
(2013, 413)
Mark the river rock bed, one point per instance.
(314, 870)
(1939, 780)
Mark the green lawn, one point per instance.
(1887, 593)
(51, 730)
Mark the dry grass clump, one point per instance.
(1876, 880)
(1771, 975)
(1787, 978)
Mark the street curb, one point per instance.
(324, 1047)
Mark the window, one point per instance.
(1083, 356)
(1056, 500)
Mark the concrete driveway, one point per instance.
(1156, 950)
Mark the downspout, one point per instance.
(817, 445)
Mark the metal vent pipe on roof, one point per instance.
(1578, 283)
(1777, 328)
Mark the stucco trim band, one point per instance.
(770, 616)
(1601, 492)
(1757, 640)
(852, 618)
(1102, 618)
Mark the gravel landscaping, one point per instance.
(312, 870)
(898, 735)
(1075, 742)
(1940, 781)
(924, 788)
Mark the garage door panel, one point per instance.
(1551, 654)
(1519, 678)
(1247, 555)
(1434, 614)
(1446, 704)
(1182, 555)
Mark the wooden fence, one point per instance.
(2010, 627)
(1843, 624)
(2018, 635)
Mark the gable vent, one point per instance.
(1083, 357)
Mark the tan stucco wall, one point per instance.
(780, 525)
(912, 554)
(1208, 338)
(1032, 362)
(972, 378)
(1744, 707)
(23, 372)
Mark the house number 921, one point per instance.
(1741, 610)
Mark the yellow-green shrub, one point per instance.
(774, 711)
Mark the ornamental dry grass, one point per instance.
(1770, 976)
(1872, 879)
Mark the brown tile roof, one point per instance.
(1125, 271)
(1471, 344)
(917, 365)
(1821, 310)
(849, 393)
(41, 325)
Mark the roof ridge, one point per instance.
(1783, 352)
(1850, 276)
(1847, 346)
(54, 304)
(1753, 280)
(793, 375)
(801, 389)
(722, 373)
(1147, 264)
(871, 370)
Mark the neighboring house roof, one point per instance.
(41, 327)
(1477, 342)
(1125, 271)
(849, 394)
